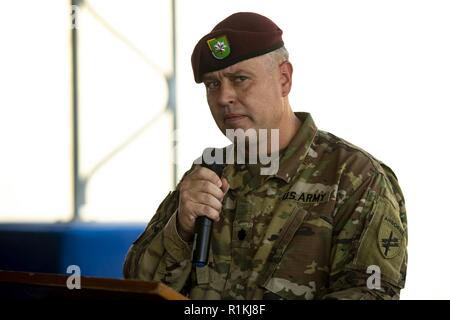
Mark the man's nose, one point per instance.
(227, 94)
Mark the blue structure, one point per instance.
(98, 249)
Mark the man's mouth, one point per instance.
(232, 117)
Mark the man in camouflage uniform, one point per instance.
(329, 224)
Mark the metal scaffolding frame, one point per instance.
(80, 182)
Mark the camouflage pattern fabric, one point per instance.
(311, 231)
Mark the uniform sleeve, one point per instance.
(160, 254)
(369, 253)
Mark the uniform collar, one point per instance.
(294, 154)
(290, 158)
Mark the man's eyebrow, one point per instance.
(209, 78)
(236, 72)
(227, 74)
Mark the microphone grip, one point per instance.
(203, 228)
(202, 240)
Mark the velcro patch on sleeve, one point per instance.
(390, 237)
(383, 242)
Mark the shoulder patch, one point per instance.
(390, 237)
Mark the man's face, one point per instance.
(248, 94)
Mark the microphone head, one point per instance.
(216, 167)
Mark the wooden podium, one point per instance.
(43, 286)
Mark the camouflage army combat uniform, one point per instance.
(315, 230)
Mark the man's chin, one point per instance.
(243, 127)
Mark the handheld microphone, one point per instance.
(203, 229)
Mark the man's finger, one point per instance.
(208, 199)
(207, 187)
(203, 173)
(225, 186)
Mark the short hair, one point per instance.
(276, 57)
(279, 55)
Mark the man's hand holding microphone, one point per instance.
(200, 203)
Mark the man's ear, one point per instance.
(286, 70)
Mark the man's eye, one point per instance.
(212, 84)
(239, 79)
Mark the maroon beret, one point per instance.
(241, 36)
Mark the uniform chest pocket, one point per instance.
(301, 270)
